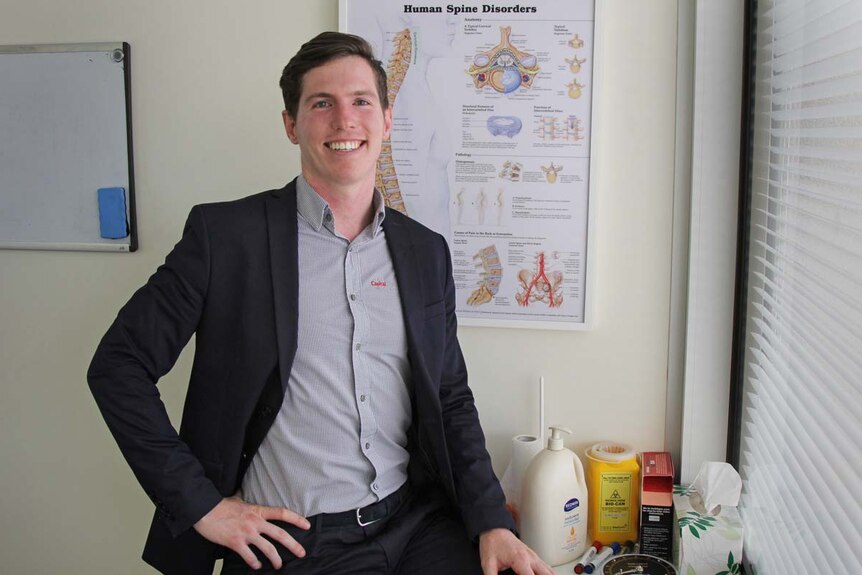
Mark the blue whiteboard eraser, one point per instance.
(112, 213)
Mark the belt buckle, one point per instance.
(359, 518)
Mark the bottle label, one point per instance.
(574, 529)
(615, 502)
(571, 504)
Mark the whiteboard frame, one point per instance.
(129, 243)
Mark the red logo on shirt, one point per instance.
(375, 283)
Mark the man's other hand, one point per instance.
(237, 525)
(499, 549)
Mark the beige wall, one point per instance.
(207, 127)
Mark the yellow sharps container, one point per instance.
(613, 482)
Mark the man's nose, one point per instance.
(343, 117)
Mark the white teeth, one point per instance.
(343, 146)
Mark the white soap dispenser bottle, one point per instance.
(554, 503)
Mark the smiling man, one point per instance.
(328, 425)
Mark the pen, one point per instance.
(601, 557)
(587, 556)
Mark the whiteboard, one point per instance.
(65, 132)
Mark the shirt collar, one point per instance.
(316, 211)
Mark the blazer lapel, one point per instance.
(406, 266)
(281, 223)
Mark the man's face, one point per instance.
(339, 125)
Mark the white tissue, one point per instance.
(718, 484)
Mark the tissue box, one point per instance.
(705, 544)
(656, 527)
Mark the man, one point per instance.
(323, 431)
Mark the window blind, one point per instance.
(800, 452)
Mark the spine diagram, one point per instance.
(492, 273)
(386, 179)
(504, 68)
(539, 286)
(552, 128)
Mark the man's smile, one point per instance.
(344, 146)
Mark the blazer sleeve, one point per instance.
(480, 497)
(142, 345)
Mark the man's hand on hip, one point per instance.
(237, 525)
(499, 549)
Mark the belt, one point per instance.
(363, 516)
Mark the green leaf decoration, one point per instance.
(682, 490)
(733, 568)
(694, 531)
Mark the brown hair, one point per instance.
(319, 50)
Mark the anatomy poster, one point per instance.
(490, 146)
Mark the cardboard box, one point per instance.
(705, 544)
(656, 525)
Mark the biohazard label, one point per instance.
(615, 502)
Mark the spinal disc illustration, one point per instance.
(504, 68)
(504, 125)
(386, 179)
(552, 128)
(539, 285)
(492, 273)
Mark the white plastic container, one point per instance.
(524, 449)
(554, 503)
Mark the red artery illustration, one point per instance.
(540, 287)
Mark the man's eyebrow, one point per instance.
(327, 95)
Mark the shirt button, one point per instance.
(374, 486)
(362, 398)
(353, 297)
(357, 347)
(367, 446)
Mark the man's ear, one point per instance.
(387, 122)
(289, 126)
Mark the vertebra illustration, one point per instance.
(504, 68)
(386, 179)
(511, 171)
(575, 64)
(575, 89)
(539, 286)
(551, 172)
(576, 42)
(492, 274)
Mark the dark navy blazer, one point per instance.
(232, 281)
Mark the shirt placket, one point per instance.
(361, 329)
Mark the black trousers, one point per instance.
(422, 536)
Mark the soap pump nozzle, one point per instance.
(555, 442)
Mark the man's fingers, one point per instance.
(248, 556)
(284, 514)
(489, 567)
(283, 537)
(268, 549)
